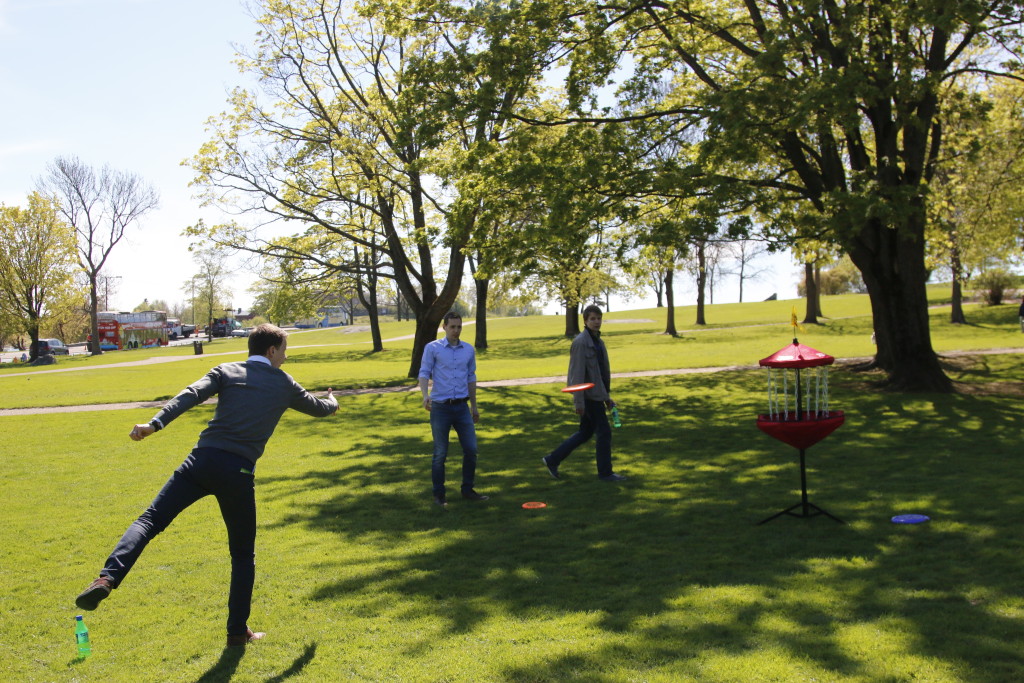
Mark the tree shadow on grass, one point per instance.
(646, 558)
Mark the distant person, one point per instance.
(451, 402)
(1020, 314)
(252, 397)
(588, 362)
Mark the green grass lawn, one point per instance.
(665, 577)
(737, 334)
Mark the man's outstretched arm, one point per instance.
(140, 432)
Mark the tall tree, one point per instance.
(833, 103)
(387, 108)
(37, 264)
(100, 206)
(745, 252)
(976, 204)
(210, 283)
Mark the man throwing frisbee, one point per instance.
(588, 364)
(252, 397)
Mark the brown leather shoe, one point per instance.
(96, 592)
(243, 638)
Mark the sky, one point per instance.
(130, 84)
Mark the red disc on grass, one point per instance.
(534, 505)
(578, 387)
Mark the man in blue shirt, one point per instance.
(451, 364)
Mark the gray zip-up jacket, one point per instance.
(252, 398)
(585, 366)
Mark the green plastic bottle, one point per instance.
(616, 421)
(82, 637)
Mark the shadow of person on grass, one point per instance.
(226, 666)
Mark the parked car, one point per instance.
(54, 346)
(241, 332)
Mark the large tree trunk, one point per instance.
(659, 287)
(743, 267)
(572, 319)
(957, 316)
(481, 314)
(892, 264)
(702, 280)
(369, 302)
(430, 307)
(670, 324)
(811, 293)
(94, 318)
(374, 313)
(33, 335)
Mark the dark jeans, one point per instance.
(206, 471)
(443, 417)
(593, 421)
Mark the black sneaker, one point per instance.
(613, 477)
(473, 495)
(553, 471)
(440, 500)
(91, 597)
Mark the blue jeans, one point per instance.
(206, 471)
(442, 418)
(594, 420)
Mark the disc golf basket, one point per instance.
(798, 411)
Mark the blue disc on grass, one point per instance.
(910, 519)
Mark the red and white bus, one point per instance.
(141, 330)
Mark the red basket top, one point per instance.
(797, 355)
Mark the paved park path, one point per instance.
(523, 381)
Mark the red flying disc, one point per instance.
(578, 387)
(534, 505)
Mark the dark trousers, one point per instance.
(206, 471)
(443, 418)
(593, 421)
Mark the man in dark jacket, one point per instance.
(252, 397)
(588, 363)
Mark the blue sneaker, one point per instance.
(613, 477)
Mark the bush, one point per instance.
(842, 278)
(994, 284)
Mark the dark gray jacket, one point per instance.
(585, 366)
(252, 398)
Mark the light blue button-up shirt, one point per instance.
(451, 367)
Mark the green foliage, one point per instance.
(823, 121)
(842, 278)
(994, 283)
(285, 296)
(37, 267)
(154, 305)
(975, 203)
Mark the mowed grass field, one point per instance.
(665, 577)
